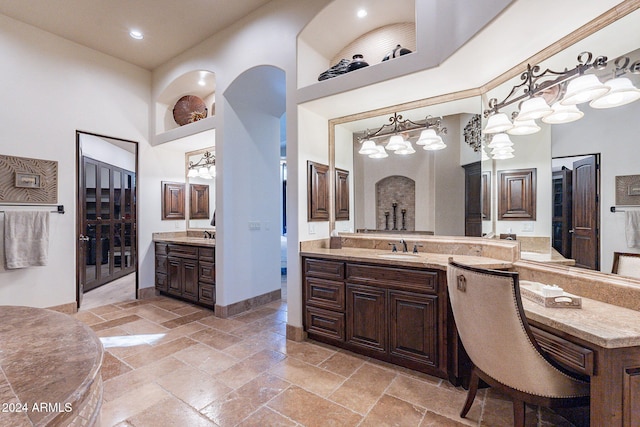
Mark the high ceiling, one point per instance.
(169, 26)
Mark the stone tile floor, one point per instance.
(170, 363)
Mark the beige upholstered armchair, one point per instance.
(494, 331)
(626, 264)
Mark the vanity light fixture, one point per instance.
(401, 133)
(204, 168)
(524, 127)
(563, 114)
(563, 90)
(621, 92)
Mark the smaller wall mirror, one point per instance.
(200, 172)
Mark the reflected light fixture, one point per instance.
(621, 92)
(563, 90)
(533, 108)
(563, 114)
(524, 127)
(204, 168)
(583, 89)
(401, 133)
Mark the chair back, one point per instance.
(490, 319)
(626, 264)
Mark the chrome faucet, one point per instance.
(404, 245)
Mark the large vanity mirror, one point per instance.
(572, 167)
(420, 192)
(200, 189)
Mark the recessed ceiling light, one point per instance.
(136, 34)
(362, 13)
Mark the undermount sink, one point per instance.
(411, 257)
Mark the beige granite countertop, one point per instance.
(183, 239)
(422, 259)
(551, 257)
(603, 324)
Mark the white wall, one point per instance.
(449, 182)
(614, 134)
(344, 160)
(531, 151)
(51, 88)
(98, 148)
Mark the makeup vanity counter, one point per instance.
(190, 238)
(50, 365)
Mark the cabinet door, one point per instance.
(366, 318)
(190, 281)
(174, 276)
(413, 331)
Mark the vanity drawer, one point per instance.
(161, 248)
(393, 277)
(183, 251)
(325, 323)
(161, 263)
(573, 356)
(324, 293)
(161, 282)
(206, 272)
(207, 254)
(207, 294)
(324, 269)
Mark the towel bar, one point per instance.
(60, 208)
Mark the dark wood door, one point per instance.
(585, 246)
(413, 334)
(472, 200)
(366, 318)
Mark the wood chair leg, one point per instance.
(518, 413)
(471, 394)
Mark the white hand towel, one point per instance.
(26, 238)
(632, 228)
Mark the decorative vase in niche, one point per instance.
(357, 62)
(398, 51)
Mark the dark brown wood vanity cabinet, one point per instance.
(395, 314)
(186, 272)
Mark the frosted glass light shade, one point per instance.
(621, 92)
(406, 149)
(524, 127)
(503, 156)
(497, 123)
(380, 153)
(436, 145)
(192, 173)
(563, 114)
(368, 147)
(502, 150)
(428, 136)
(212, 171)
(583, 89)
(533, 108)
(500, 140)
(395, 142)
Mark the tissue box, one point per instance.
(548, 296)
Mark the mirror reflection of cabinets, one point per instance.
(200, 179)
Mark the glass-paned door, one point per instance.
(109, 223)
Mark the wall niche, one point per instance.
(401, 192)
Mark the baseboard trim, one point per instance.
(225, 311)
(295, 333)
(147, 293)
